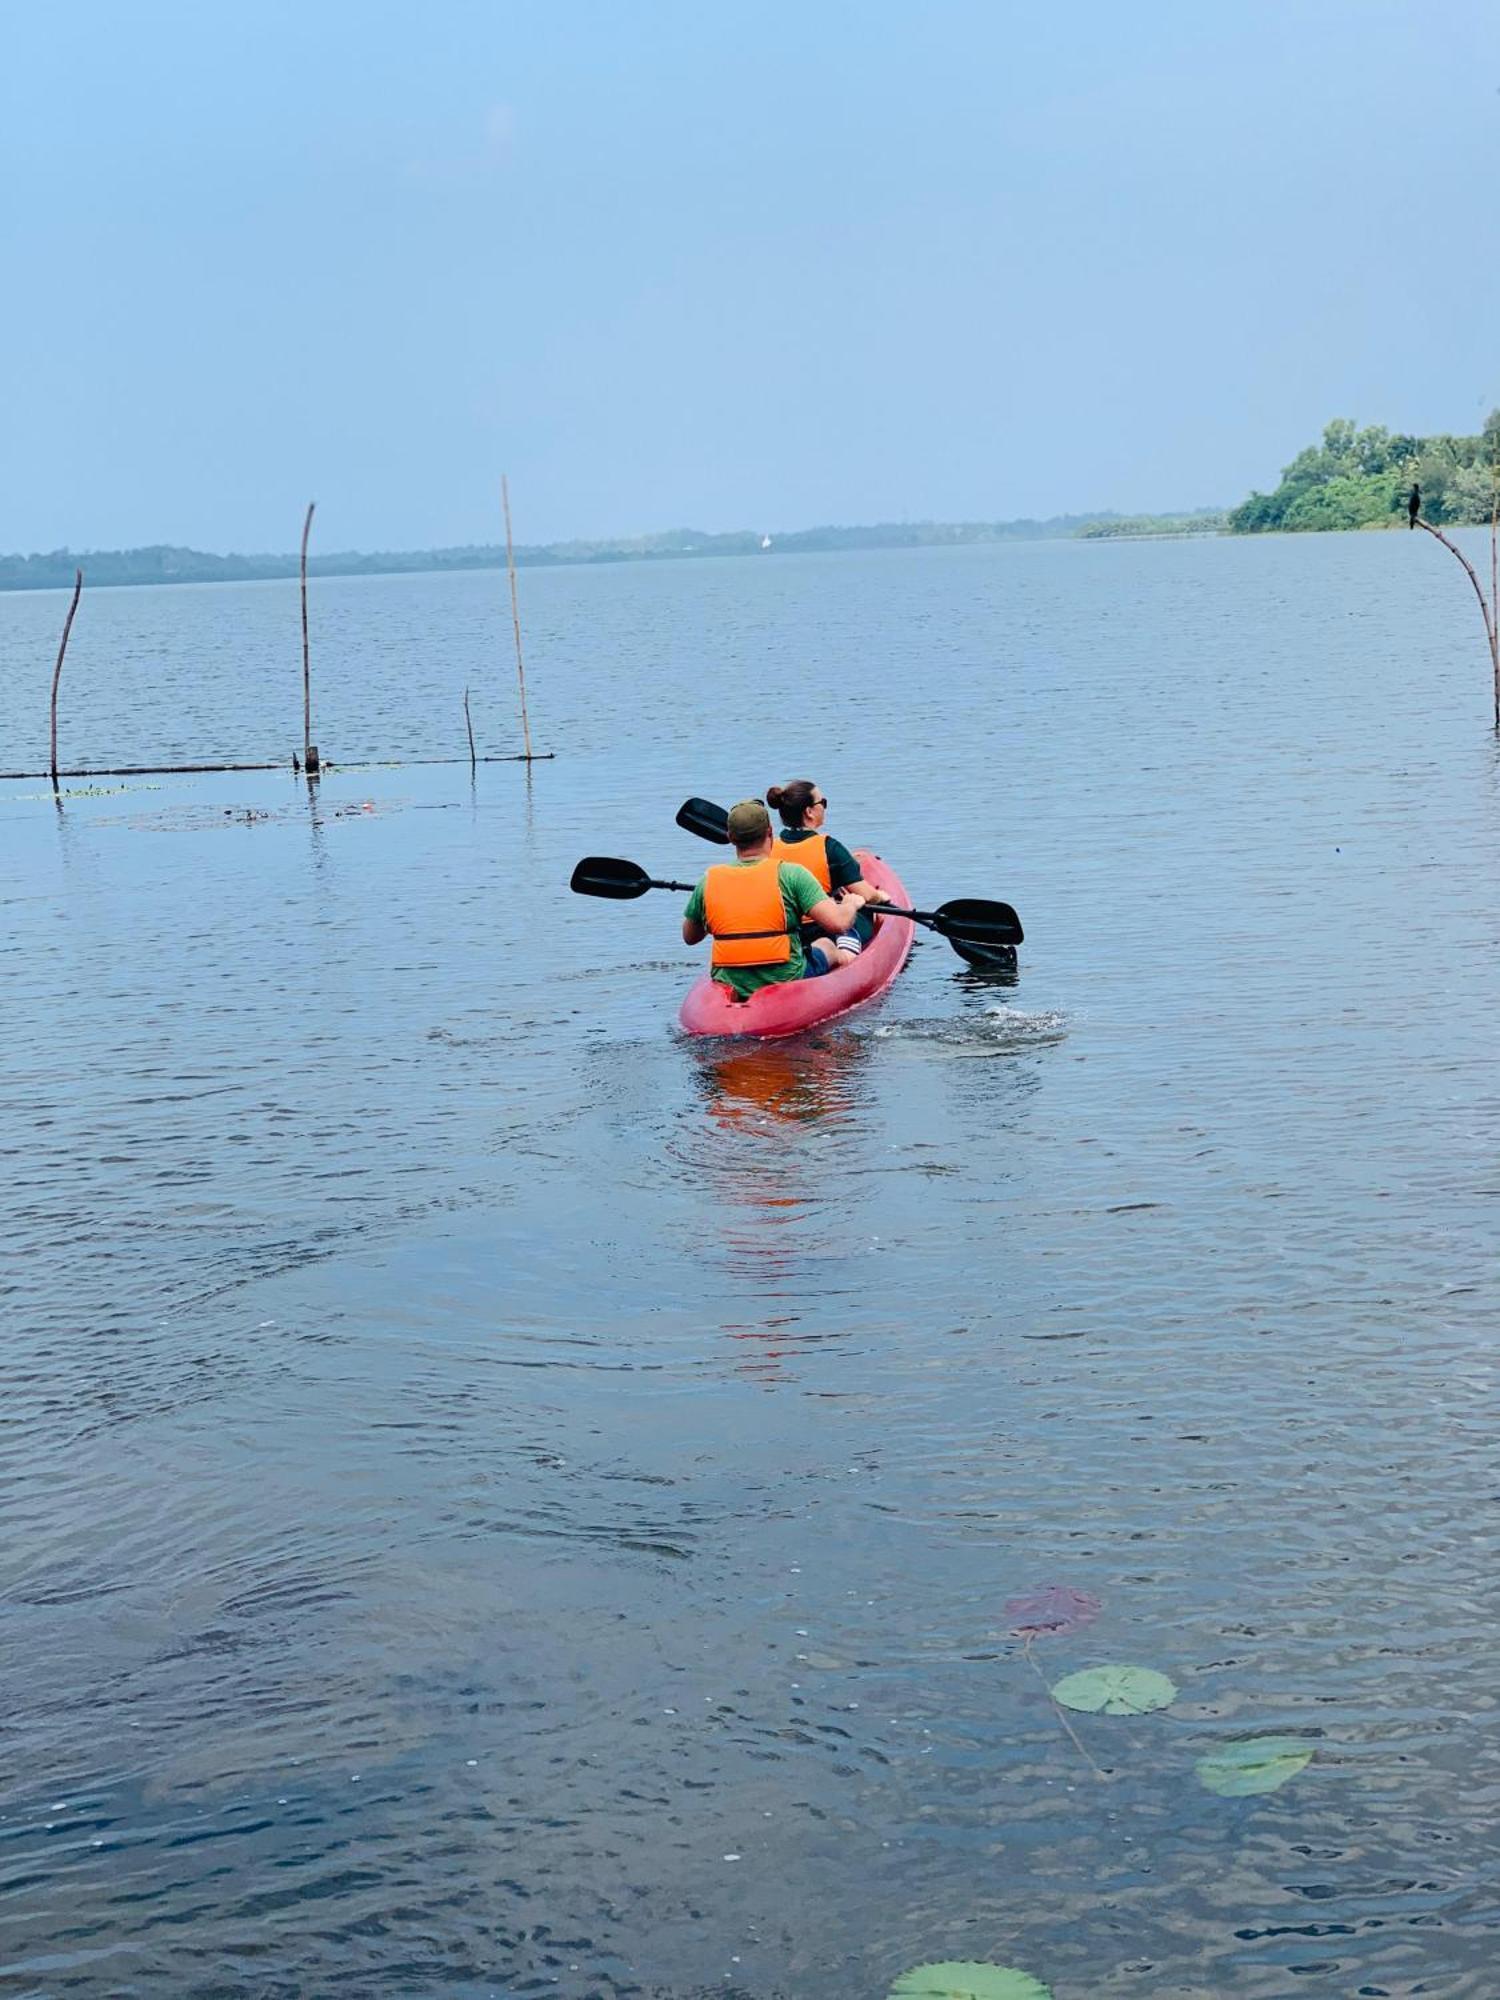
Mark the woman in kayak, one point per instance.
(756, 908)
(803, 808)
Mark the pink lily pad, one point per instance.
(1044, 1614)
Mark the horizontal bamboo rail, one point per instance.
(190, 770)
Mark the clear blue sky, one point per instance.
(756, 265)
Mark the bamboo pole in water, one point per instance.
(1487, 612)
(515, 614)
(309, 748)
(469, 725)
(1495, 571)
(57, 670)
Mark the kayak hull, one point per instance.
(796, 1005)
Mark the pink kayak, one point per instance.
(798, 1004)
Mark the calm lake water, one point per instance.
(500, 1500)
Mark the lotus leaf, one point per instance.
(960, 1980)
(1253, 1764)
(1115, 1690)
(1045, 1613)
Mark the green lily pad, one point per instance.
(966, 1980)
(1115, 1690)
(1253, 1764)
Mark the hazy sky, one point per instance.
(723, 265)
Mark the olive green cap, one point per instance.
(748, 822)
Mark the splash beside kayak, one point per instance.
(798, 1004)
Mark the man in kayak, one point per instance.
(804, 809)
(755, 906)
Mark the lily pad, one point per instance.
(1253, 1764)
(966, 1980)
(1045, 1613)
(1115, 1691)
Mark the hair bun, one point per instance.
(775, 795)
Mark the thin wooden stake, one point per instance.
(1491, 630)
(515, 614)
(468, 723)
(57, 670)
(309, 753)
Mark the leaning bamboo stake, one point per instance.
(309, 748)
(469, 725)
(57, 670)
(1495, 573)
(1486, 611)
(515, 614)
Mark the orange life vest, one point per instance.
(738, 902)
(811, 854)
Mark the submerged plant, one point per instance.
(1253, 1764)
(967, 1979)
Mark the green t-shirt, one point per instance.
(801, 891)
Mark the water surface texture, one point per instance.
(501, 1500)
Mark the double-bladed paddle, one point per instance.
(623, 881)
(982, 932)
(977, 930)
(703, 817)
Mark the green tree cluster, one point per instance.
(1360, 479)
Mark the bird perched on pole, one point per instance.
(1413, 505)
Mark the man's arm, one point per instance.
(692, 931)
(807, 898)
(835, 917)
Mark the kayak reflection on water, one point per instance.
(778, 1193)
(756, 1086)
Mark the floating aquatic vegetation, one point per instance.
(1115, 1691)
(81, 792)
(1051, 1611)
(1253, 1764)
(198, 818)
(966, 1979)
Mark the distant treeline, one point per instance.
(171, 565)
(1361, 478)
(1125, 527)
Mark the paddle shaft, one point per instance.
(969, 927)
(876, 909)
(710, 822)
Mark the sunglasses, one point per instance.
(817, 802)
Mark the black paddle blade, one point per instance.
(703, 817)
(982, 926)
(986, 958)
(598, 875)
